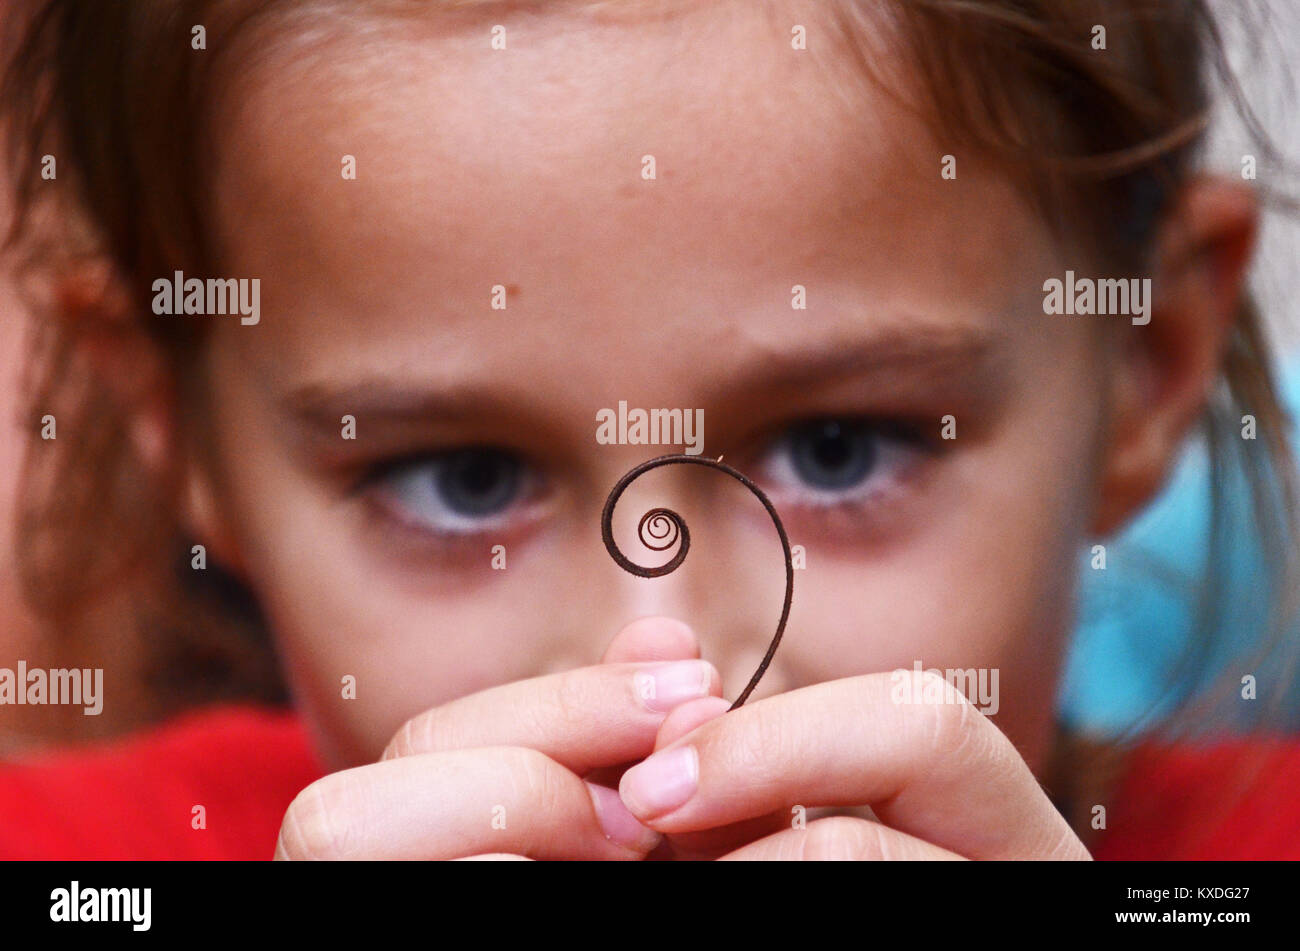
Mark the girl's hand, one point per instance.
(500, 772)
(944, 782)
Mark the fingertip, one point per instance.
(653, 639)
(619, 825)
(687, 717)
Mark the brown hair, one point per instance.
(1100, 141)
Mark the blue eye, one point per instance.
(829, 461)
(832, 455)
(455, 492)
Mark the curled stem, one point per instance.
(661, 528)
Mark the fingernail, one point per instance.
(664, 687)
(619, 825)
(661, 783)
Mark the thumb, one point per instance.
(652, 639)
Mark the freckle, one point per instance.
(512, 290)
(627, 191)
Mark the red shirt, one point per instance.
(134, 798)
(1234, 798)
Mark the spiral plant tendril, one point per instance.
(660, 529)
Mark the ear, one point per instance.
(1166, 369)
(133, 373)
(202, 514)
(126, 365)
(200, 498)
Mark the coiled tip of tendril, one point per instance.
(659, 529)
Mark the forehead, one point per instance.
(530, 167)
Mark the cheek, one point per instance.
(338, 612)
(986, 576)
(361, 653)
(410, 651)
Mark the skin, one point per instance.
(523, 688)
(18, 630)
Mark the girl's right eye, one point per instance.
(458, 492)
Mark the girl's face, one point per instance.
(476, 426)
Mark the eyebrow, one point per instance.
(898, 349)
(932, 356)
(383, 397)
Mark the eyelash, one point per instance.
(902, 445)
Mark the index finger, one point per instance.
(583, 719)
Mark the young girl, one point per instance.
(337, 295)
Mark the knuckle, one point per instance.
(539, 791)
(954, 723)
(432, 731)
(313, 827)
(756, 745)
(752, 747)
(539, 780)
(571, 699)
(1061, 844)
(402, 743)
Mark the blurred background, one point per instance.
(1137, 617)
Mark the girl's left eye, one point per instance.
(832, 461)
(453, 493)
